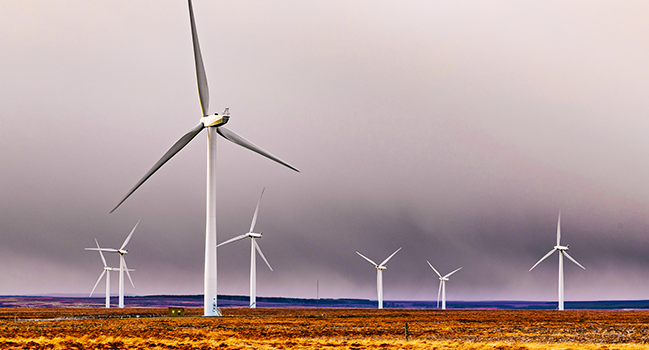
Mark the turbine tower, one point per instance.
(442, 285)
(253, 246)
(214, 125)
(379, 274)
(122, 263)
(563, 250)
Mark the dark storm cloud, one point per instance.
(456, 132)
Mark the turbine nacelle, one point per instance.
(214, 120)
(254, 234)
(381, 267)
(444, 279)
(122, 251)
(561, 248)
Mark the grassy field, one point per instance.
(240, 328)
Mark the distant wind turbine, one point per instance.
(106, 271)
(253, 246)
(122, 263)
(563, 250)
(214, 125)
(442, 285)
(379, 274)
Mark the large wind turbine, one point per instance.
(106, 271)
(442, 284)
(122, 263)
(214, 125)
(379, 274)
(563, 250)
(253, 246)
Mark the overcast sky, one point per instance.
(456, 130)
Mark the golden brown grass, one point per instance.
(76, 328)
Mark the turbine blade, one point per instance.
(454, 271)
(573, 260)
(544, 257)
(240, 237)
(389, 257)
(201, 78)
(439, 291)
(233, 137)
(431, 266)
(128, 238)
(96, 283)
(261, 254)
(110, 250)
(559, 229)
(254, 217)
(170, 153)
(368, 259)
(127, 271)
(101, 254)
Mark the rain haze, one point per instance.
(456, 130)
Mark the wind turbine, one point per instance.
(106, 271)
(214, 125)
(442, 284)
(122, 263)
(563, 250)
(253, 246)
(379, 274)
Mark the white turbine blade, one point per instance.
(431, 266)
(449, 275)
(201, 78)
(103, 259)
(127, 271)
(368, 259)
(439, 291)
(233, 137)
(128, 238)
(261, 254)
(165, 158)
(543, 258)
(389, 257)
(237, 238)
(96, 283)
(573, 260)
(101, 254)
(254, 217)
(110, 250)
(559, 229)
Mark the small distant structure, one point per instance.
(176, 312)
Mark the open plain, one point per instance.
(242, 328)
